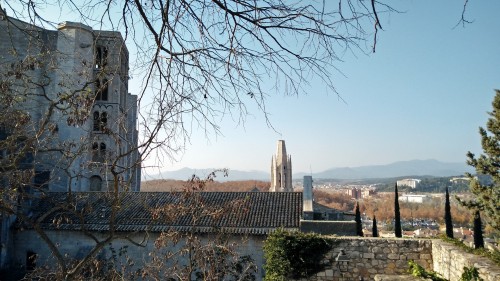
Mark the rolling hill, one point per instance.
(428, 167)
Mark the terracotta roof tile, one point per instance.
(235, 212)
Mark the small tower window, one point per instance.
(98, 152)
(104, 120)
(101, 57)
(101, 90)
(96, 120)
(95, 151)
(100, 120)
(102, 152)
(30, 260)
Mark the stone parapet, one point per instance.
(382, 277)
(449, 261)
(387, 259)
(369, 257)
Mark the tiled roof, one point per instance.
(232, 212)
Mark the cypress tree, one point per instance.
(397, 215)
(374, 227)
(478, 231)
(447, 215)
(359, 226)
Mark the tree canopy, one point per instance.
(487, 195)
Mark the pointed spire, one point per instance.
(281, 169)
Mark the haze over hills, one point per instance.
(428, 167)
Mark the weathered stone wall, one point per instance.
(76, 245)
(449, 261)
(368, 257)
(389, 258)
(371, 256)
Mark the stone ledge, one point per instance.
(384, 277)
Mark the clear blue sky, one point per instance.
(422, 95)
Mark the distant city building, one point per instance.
(359, 193)
(408, 182)
(459, 180)
(414, 198)
(353, 192)
(281, 170)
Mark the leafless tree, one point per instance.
(197, 62)
(203, 251)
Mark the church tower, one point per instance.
(281, 170)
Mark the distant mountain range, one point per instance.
(429, 167)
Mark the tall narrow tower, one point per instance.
(281, 170)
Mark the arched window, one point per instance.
(100, 120)
(98, 152)
(30, 260)
(101, 57)
(104, 120)
(101, 90)
(95, 183)
(95, 151)
(97, 116)
(102, 152)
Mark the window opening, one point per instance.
(101, 57)
(98, 152)
(95, 183)
(100, 121)
(30, 260)
(102, 152)
(101, 90)
(95, 151)
(104, 120)
(96, 120)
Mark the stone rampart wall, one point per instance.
(371, 256)
(449, 261)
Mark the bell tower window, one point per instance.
(98, 152)
(100, 120)
(101, 90)
(101, 57)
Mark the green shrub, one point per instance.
(418, 271)
(470, 274)
(294, 254)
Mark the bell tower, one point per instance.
(281, 170)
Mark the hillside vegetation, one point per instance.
(178, 185)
